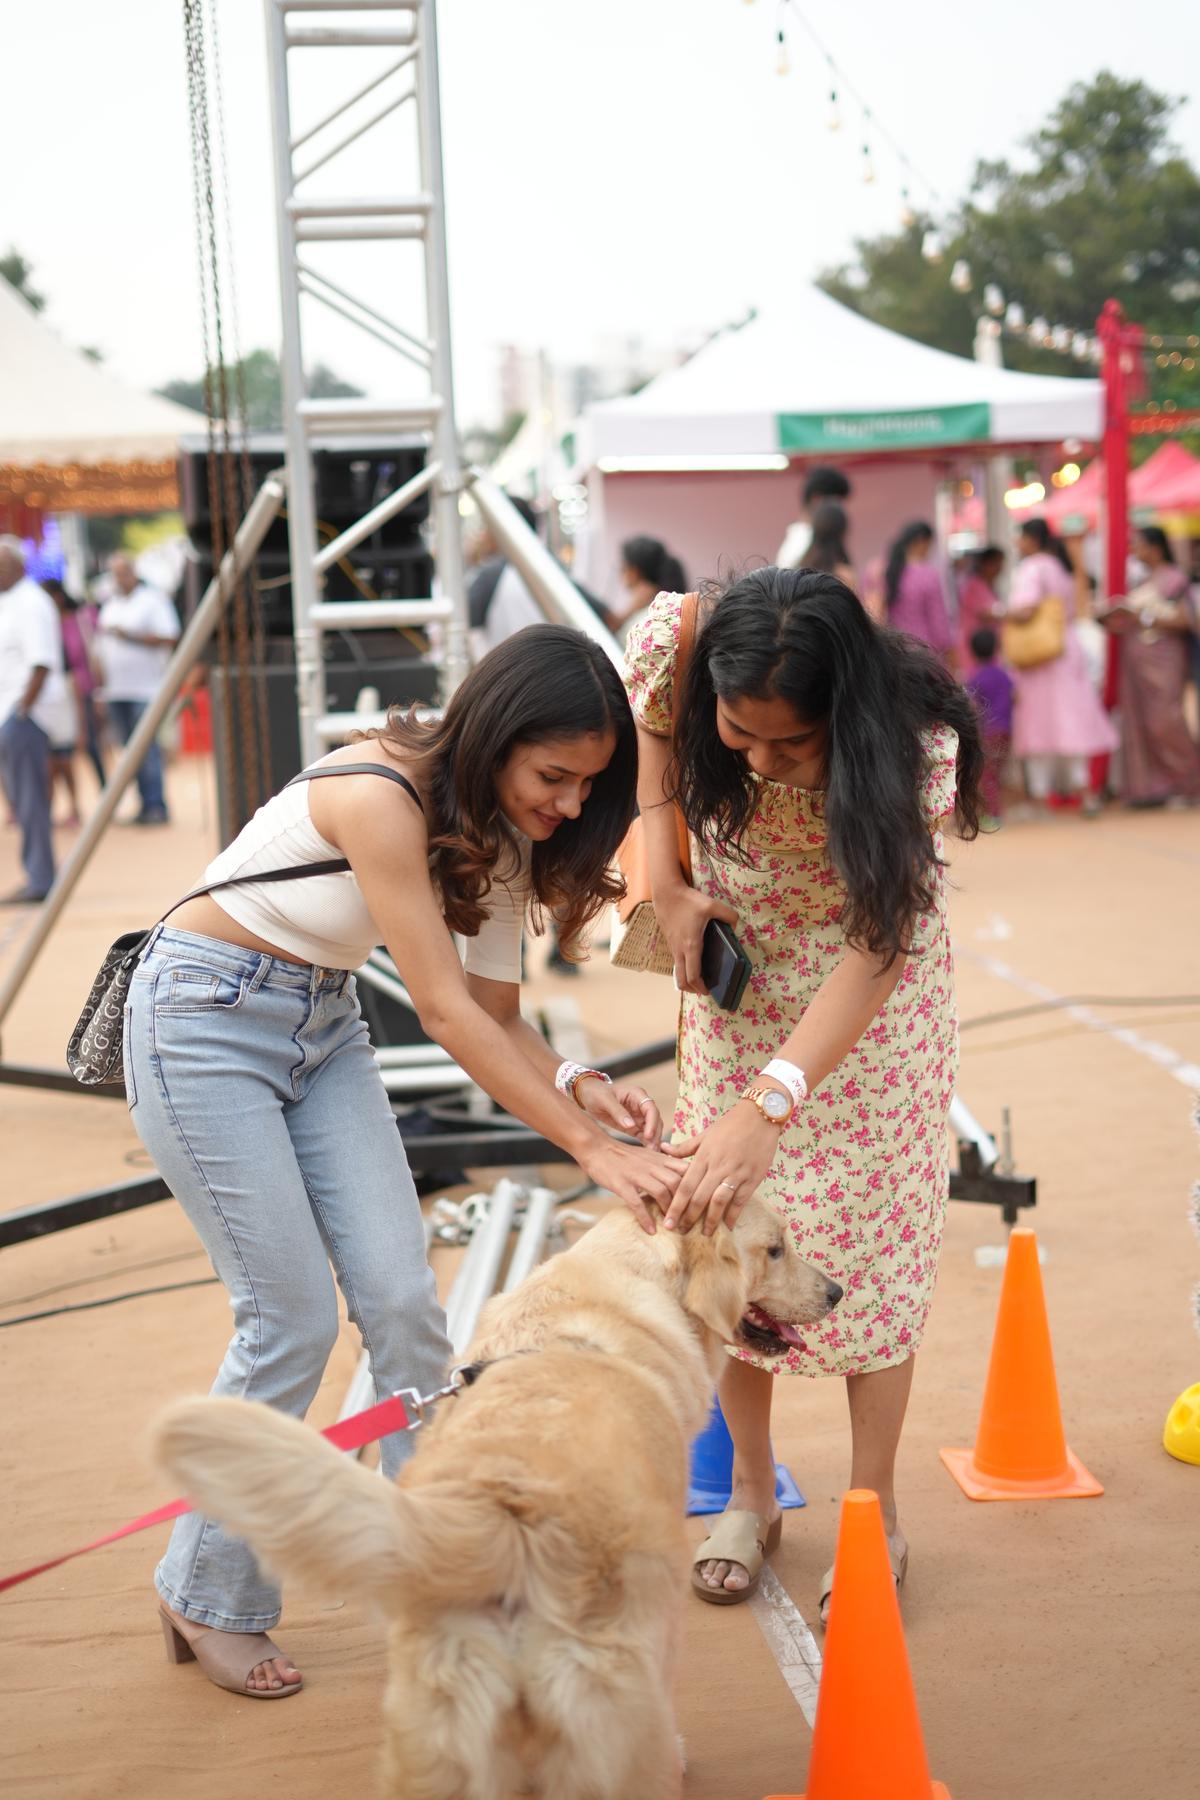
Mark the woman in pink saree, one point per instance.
(1059, 723)
(1160, 759)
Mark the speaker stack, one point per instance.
(392, 564)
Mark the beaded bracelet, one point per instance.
(570, 1074)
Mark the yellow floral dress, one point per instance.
(862, 1177)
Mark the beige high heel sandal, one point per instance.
(227, 1658)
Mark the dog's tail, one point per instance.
(308, 1511)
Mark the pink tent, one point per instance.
(1168, 482)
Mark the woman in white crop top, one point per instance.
(253, 1084)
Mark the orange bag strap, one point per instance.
(688, 613)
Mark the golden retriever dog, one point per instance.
(531, 1562)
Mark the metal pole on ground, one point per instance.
(476, 1280)
(546, 579)
(531, 1239)
(250, 534)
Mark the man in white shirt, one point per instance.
(35, 711)
(821, 484)
(138, 629)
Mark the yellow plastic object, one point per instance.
(1181, 1435)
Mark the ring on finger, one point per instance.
(726, 1184)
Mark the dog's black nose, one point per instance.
(833, 1292)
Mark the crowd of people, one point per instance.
(1033, 652)
(73, 676)
(76, 676)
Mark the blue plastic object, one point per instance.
(711, 1480)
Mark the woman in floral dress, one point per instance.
(815, 756)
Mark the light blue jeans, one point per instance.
(252, 1083)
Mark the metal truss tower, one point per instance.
(409, 27)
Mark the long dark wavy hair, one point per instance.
(802, 636)
(827, 551)
(916, 533)
(542, 683)
(1039, 533)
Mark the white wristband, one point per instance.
(569, 1073)
(790, 1077)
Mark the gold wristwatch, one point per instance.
(774, 1107)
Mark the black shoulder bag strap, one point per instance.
(334, 866)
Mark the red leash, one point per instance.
(348, 1434)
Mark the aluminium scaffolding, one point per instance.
(416, 218)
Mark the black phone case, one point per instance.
(724, 966)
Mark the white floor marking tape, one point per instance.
(789, 1640)
(1177, 1066)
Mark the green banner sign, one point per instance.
(885, 430)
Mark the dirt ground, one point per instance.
(1053, 1644)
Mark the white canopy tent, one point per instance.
(57, 406)
(707, 456)
(813, 377)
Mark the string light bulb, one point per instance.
(1014, 316)
(1039, 329)
(933, 246)
(960, 276)
(1060, 337)
(783, 64)
(834, 117)
(1080, 346)
(993, 299)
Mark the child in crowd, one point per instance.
(992, 688)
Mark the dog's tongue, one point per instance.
(788, 1333)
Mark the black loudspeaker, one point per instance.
(392, 564)
(397, 679)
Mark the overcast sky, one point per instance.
(625, 167)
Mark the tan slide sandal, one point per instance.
(899, 1565)
(227, 1658)
(737, 1537)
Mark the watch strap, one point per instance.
(789, 1076)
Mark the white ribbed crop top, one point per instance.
(323, 919)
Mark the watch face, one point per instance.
(776, 1105)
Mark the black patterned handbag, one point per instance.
(94, 1050)
(94, 1047)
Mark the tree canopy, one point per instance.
(16, 270)
(1101, 205)
(263, 387)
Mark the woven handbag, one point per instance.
(636, 941)
(1042, 638)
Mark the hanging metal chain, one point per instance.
(258, 647)
(193, 26)
(228, 485)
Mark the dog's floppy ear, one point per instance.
(715, 1290)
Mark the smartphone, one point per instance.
(724, 965)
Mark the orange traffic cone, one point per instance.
(867, 1744)
(1020, 1452)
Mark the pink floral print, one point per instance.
(862, 1177)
